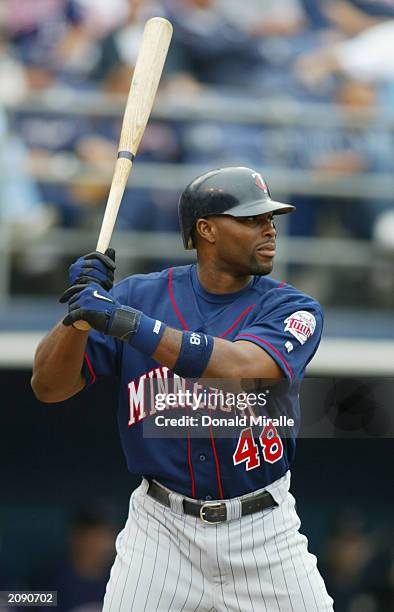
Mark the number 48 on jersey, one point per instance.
(248, 451)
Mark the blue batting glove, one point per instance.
(90, 303)
(94, 267)
(101, 310)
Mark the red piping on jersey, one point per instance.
(182, 320)
(189, 460)
(92, 372)
(237, 320)
(281, 285)
(216, 462)
(272, 347)
(189, 457)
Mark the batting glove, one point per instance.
(94, 267)
(101, 310)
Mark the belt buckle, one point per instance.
(209, 505)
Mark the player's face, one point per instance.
(246, 244)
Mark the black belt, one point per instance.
(212, 512)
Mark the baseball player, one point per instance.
(212, 525)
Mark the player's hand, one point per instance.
(90, 303)
(94, 267)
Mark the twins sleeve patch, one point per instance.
(301, 325)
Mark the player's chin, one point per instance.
(261, 268)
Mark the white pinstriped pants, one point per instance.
(168, 561)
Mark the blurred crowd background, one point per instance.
(302, 90)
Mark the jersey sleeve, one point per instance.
(289, 332)
(101, 357)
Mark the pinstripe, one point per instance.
(305, 569)
(190, 586)
(307, 576)
(231, 567)
(143, 553)
(243, 563)
(154, 565)
(131, 558)
(132, 555)
(280, 559)
(255, 560)
(191, 575)
(117, 579)
(290, 554)
(202, 573)
(180, 562)
(322, 587)
(190, 545)
(301, 540)
(217, 561)
(119, 564)
(168, 560)
(269, 564)
(127, 546)
(203, 590)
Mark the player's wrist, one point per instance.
(195, 354)
(136, 328)
(144, 334)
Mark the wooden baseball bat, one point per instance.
(148, 69)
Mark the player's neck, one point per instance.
(216, 280)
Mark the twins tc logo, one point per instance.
(301, 325)
(259, 181)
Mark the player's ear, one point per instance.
(205, 229)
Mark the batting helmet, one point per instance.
(238, 191)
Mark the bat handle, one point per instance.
(102, 245)
(121, 174)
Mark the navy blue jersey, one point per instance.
(283, 321)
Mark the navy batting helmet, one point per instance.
(238, 191)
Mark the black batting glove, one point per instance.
(101, 310)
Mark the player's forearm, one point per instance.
(233, 360)
(58, 363)
(224, 361)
